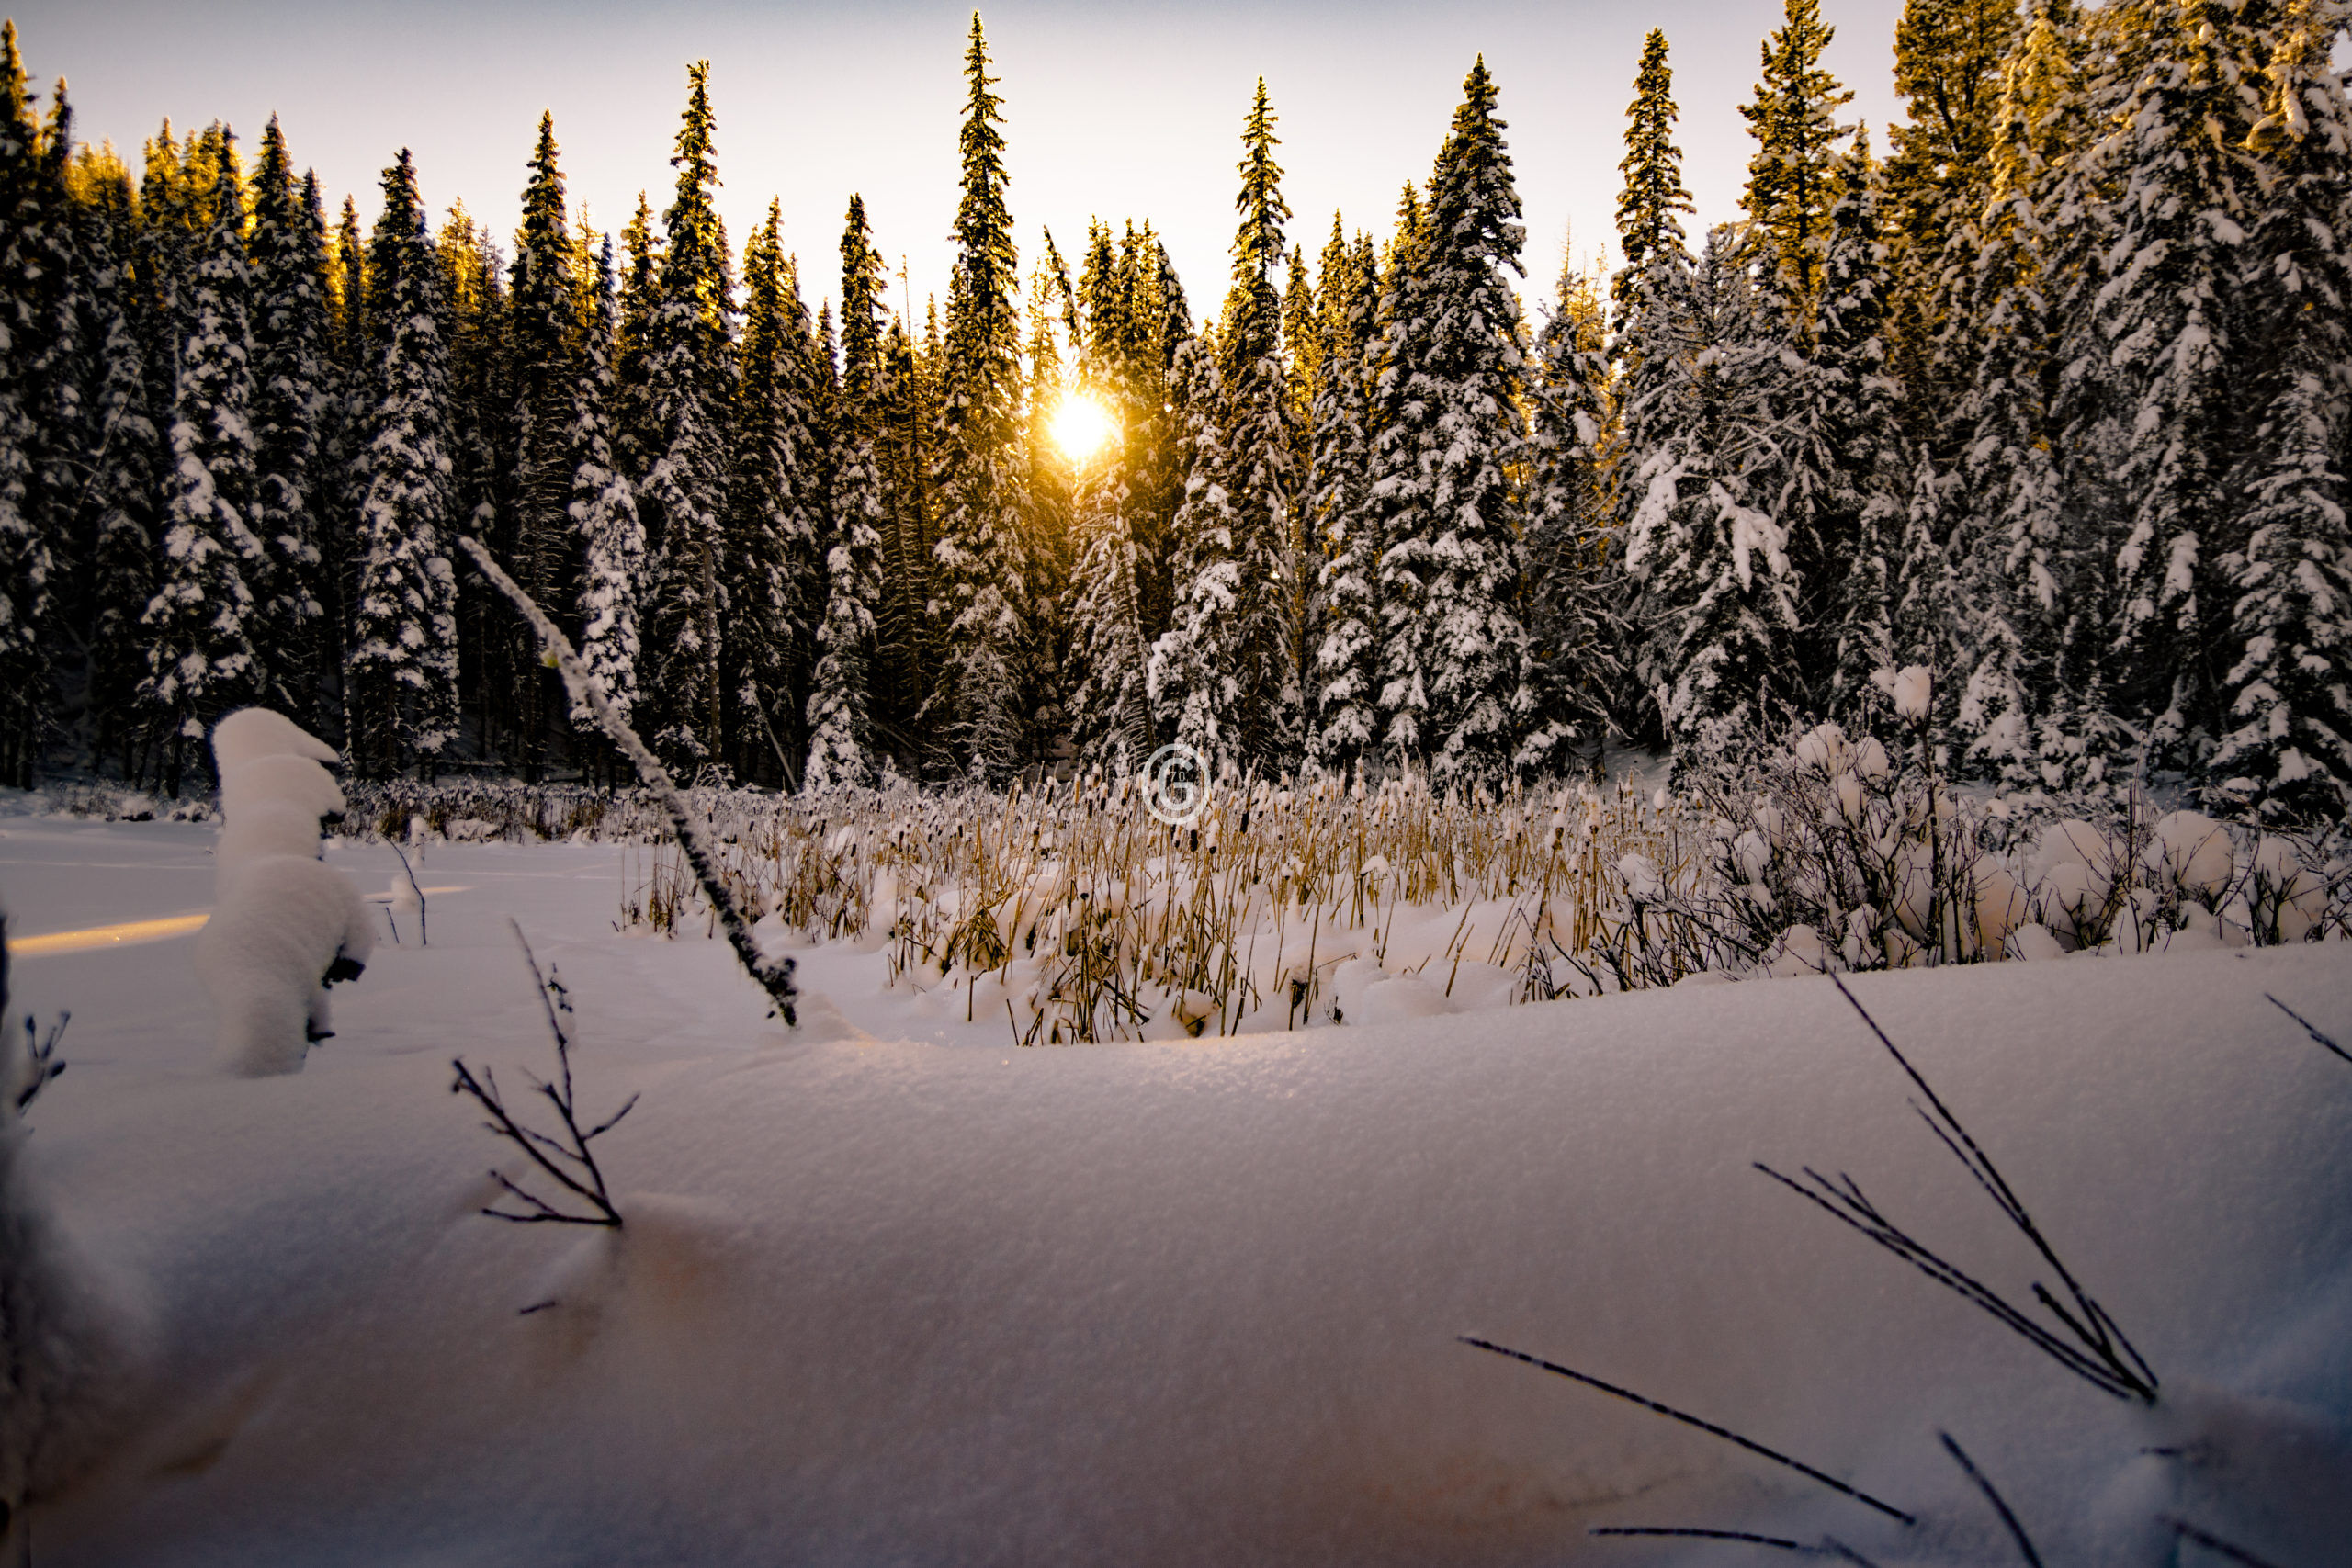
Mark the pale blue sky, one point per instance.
(1114, 107)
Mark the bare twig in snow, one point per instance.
(422, 940)
(2309, 1028)
(2213, 1544)
(1889, 1509)
(776, 978)
(2093, 1347)
(566, 1159)
(2017, 1530)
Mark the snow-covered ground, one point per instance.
(893, 1290)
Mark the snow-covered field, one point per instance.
(891, 1290)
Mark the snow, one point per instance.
(890, 1289)
(287, 925)
(250, 734)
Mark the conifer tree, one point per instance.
(1400, 487)
(401, 678)
(544, 320)
(1224, 663)
(1575, 629)
(291, 391)
(1719, 594)
(1791, 177)
(978, 592)
(124, 484)
(201, 657)
(27, 545)
(1469, 381)
(603, 507)
(1109, 706)
(688, 366)
(1343, 707)
(841, 746)
(776, 505)
(1648, 204)
(1949, 58)
(2285, 702)
(2170, 312)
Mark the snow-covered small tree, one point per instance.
(200, 658)
(603, 509)
(400, 674)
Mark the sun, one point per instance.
(1082, 427)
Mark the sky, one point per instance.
(1114, 109)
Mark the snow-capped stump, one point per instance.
(250, 734)
(289, 927)
(286, 781)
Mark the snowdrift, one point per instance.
(1199, 1302)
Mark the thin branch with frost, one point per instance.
(2309, 1026)
(2100, 1352)
(587, 691)
(422, 938)
(567, 1159)
(1889, 1509)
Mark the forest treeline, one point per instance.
(2051, 398)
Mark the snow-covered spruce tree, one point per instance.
(201, 659)
(2171, 314)
(124, 485)
(1048, 486)
(1852, 409)
(481, 456)
(840, 743)
(1400, 441)
(1575, 630)
(776, 509)
(1180, 674)
(343, 471)
(400, 674)
(1106, 695)
(978, 592)
(1469, 383)
(900, 676)
(688, 368)
(2285, 752)
(544, 327)
(1343, 706)
(1792, 176)
(1948, 57)
(603, 509)
(1652, 199)
(1243, 647)
(2031, 582)
(29, 543)
(1712, 564)
(292, 387)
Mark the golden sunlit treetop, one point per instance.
(1082, 427)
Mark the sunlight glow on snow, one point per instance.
(1082, 427)
(122, 935)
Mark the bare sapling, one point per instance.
(772, 976)
(564, 1156)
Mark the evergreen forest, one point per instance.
(2048, 396)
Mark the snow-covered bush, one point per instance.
(287, 926)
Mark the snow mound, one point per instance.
(286, 781)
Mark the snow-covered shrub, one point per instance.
(287, 926)
(291, 926)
